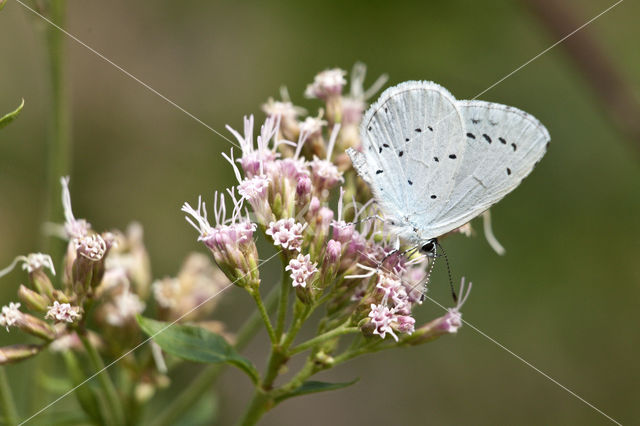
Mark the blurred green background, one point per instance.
(565, 297)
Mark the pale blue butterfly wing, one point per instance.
(412, 144)
(503, 146)
(434, 163)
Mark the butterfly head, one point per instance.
(429, 247)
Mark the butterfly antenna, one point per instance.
(453, 292)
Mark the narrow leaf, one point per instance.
(8, 118)
(196, 344)
(314, 387)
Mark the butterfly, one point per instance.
(433, 163)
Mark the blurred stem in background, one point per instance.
(207, 378)
(609, 85)
(9, 413)
(58, 154)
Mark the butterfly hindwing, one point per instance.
(503, 144)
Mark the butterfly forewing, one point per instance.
(412, 141)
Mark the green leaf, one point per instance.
(8, 118)
(2, 4)
(314, 387)
(196, 344)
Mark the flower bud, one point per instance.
(33, 300)
(36, 327)
(334, 250)
(41, 282)
(14, 353)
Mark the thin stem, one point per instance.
(263, 313)
(205, 379)
(285, 288)
(10, 416)
(59, 141)
(339, 331)
(296, 326)
(367, 348)
(109, 389)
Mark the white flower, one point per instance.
(63, 312)
(286, 233)
(124, 307)
(301, 270)
(10, 315)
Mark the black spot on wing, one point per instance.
(369, 128)
(378, 172)
(401, 153)
(436, 159)
(419, 130)
(508, 171)
(514, 146)
(502, 140)
(486, 137)
(452, 156)
(406, 139)
(471, 135)
(433, 197)
(430, 128)
(379, 149)
(385, 145)
(410, 183)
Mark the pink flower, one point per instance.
(230, 241)
(382, 317)
(286, 233)
(92, 247)
(254, 160)
(326, 83)
(405, 324)
(301, 270)
(388, 285)
(452, 320)
(254, 189)
(333, 252)
(63, 312)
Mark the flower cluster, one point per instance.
(285, 181)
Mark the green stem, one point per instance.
(59, 141)
(367, 348)
(285, 288)
(198, 387)
(260, 404)
(339, 331)
(296, 326)
(263, 313)
(109, 389)
(10, 416)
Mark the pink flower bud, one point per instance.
(334, 250)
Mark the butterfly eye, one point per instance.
(428, 248)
